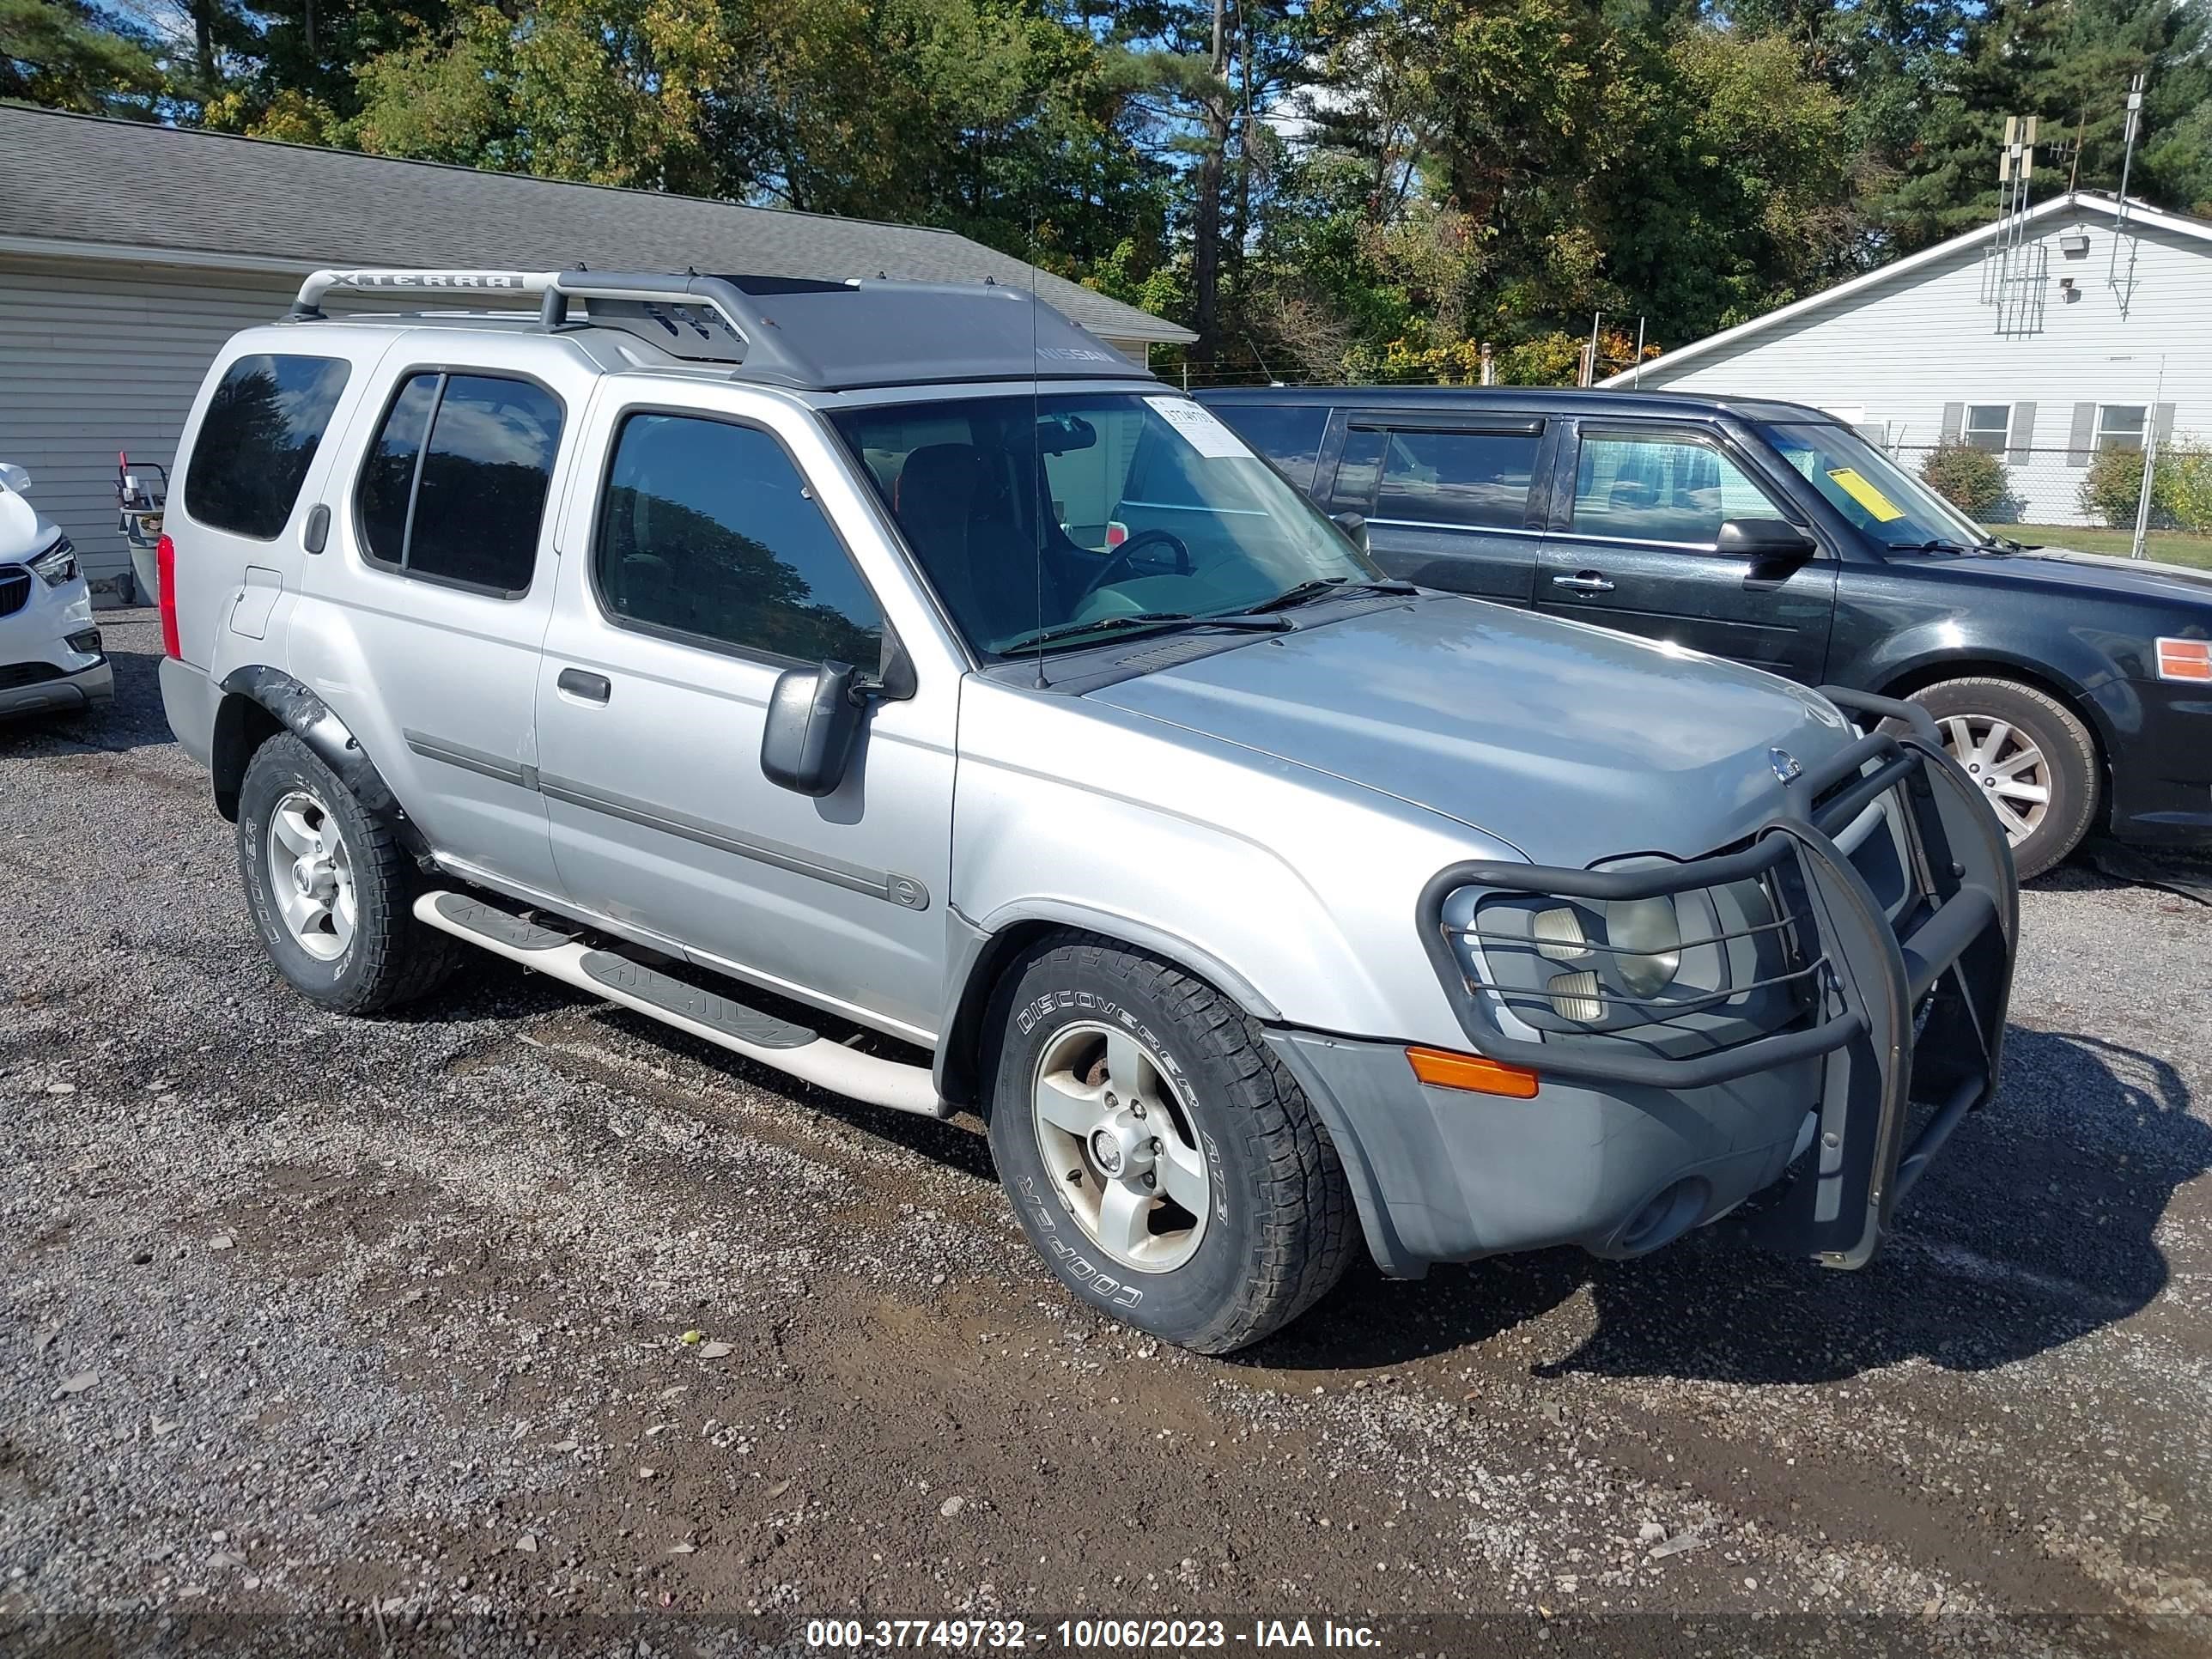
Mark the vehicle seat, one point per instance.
(980, 565)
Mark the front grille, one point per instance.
(27, 673)
(14, 591)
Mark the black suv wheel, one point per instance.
(2033, 759)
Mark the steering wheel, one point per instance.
(1120, 564)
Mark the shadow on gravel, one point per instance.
(2034, 1229)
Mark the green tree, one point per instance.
(65, 55)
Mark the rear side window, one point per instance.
(1288, 434)
(453, 489)
(1474, 478)
(1430, 475)
(258, 439)
(707, 530)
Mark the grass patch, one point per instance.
(2174, 546)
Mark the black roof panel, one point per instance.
(835, 337)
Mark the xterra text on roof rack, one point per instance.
(892, 685)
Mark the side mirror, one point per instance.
(813, 717)
(1353, 525)
(14, 477)
(1764, 538)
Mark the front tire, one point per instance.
(329, 888)
(2034, 761)
(1166, 1167)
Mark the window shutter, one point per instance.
(2019, 446)
(2085, 435)
(2165, 427)
(1954, 422)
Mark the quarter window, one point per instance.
(1661, 489)
(258, 439)
(2120, 426)
(454, 487)
(1988, 426)
(708, 531)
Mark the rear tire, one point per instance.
(331, 889)
(2018, 743)
(1163, 1163)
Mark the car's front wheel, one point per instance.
(329, 888)
(1158, 1156)
(2033, 759)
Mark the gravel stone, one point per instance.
(468, 1242)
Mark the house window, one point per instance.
(2120, 426)
(1988, 426)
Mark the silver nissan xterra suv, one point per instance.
(890, 684)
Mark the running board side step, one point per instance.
(707, 1015)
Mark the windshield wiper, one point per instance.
(1323, 587)
(1054, 634)
(1932, 545)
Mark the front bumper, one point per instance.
(2162, 764)
(1623, 1148)
(50, 651)
(34, 688)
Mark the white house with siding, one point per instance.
(130, 253)
(2073, 329)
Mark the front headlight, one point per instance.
(58, 564)
(1648, 937)
(1706, 966)
(1644, 939)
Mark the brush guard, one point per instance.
(1901, 1015)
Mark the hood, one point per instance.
(2063, 567)
(1571, 743)
(22, 531)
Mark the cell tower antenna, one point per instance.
(2124, 284)
(2016, 168)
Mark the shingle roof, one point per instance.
(127, 183)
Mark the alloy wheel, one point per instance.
(2007, 764)
(311, 875)
(1116, 1139)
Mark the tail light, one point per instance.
(165, 559)
(1116, 532)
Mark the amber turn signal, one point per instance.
(1472, 1071)
(2184, 659)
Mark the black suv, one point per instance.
(2076, 689)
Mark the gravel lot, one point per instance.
(323, 1332)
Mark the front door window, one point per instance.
(1661, 489)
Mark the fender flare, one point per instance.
(979, 955)
(299, 710)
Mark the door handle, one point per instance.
(592, 688)
(1583, 582)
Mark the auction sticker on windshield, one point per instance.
(1854, 484)
(1206, 435)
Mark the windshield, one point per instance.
(1872, 490)
(1138, 506)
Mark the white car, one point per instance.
(50, 654)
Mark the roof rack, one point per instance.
(824, 335)
(720, 308)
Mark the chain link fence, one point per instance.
(2094, 490)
